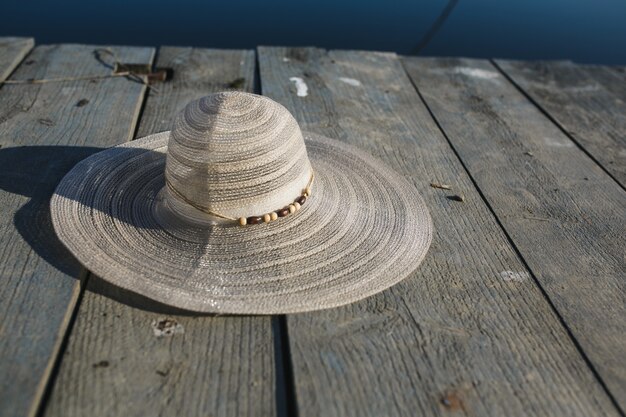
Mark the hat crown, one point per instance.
(237, 154)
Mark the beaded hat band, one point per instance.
(237, 157)
(265, 218)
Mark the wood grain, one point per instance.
(586, 101)
(12, 52)
(44, 130)
(469, 333)
(117, 363)
(560, 209)
(196, 73)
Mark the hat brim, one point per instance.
(363, 229)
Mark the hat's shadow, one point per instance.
(34, 172)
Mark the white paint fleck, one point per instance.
(165, 327)
(477, 73)
(241, 62)
(350, 81)
(302, 90)
(514, 276)
(557, 143)
(285, 59)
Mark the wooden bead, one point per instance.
(243, 221)
(267, 218)
(273, 216)
(300, 200)
(283, 212)
(292, 208)
(297, 205)
(255, 220)
(307, 191)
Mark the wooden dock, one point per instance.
(518, 310)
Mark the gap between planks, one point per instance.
(572, 130)
(42, 123)
(215, 365)
(410, 347)
(503, 123)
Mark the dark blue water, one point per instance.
(591, 31)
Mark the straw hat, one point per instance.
(235, 210)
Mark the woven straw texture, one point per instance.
(363, 229)
(236, 154)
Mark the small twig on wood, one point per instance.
(129, 75)
(118, 70)
(536, 218)
(58, 80)
(442, 186)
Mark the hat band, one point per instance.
(243, 221)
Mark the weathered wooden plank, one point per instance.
(562, 212)
(196, 73)
(470, 332)
(116, 363)
(12, 52)
(586, 101)
(43, 132)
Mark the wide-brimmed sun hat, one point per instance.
(235, 210)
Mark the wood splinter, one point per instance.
(441, 186)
